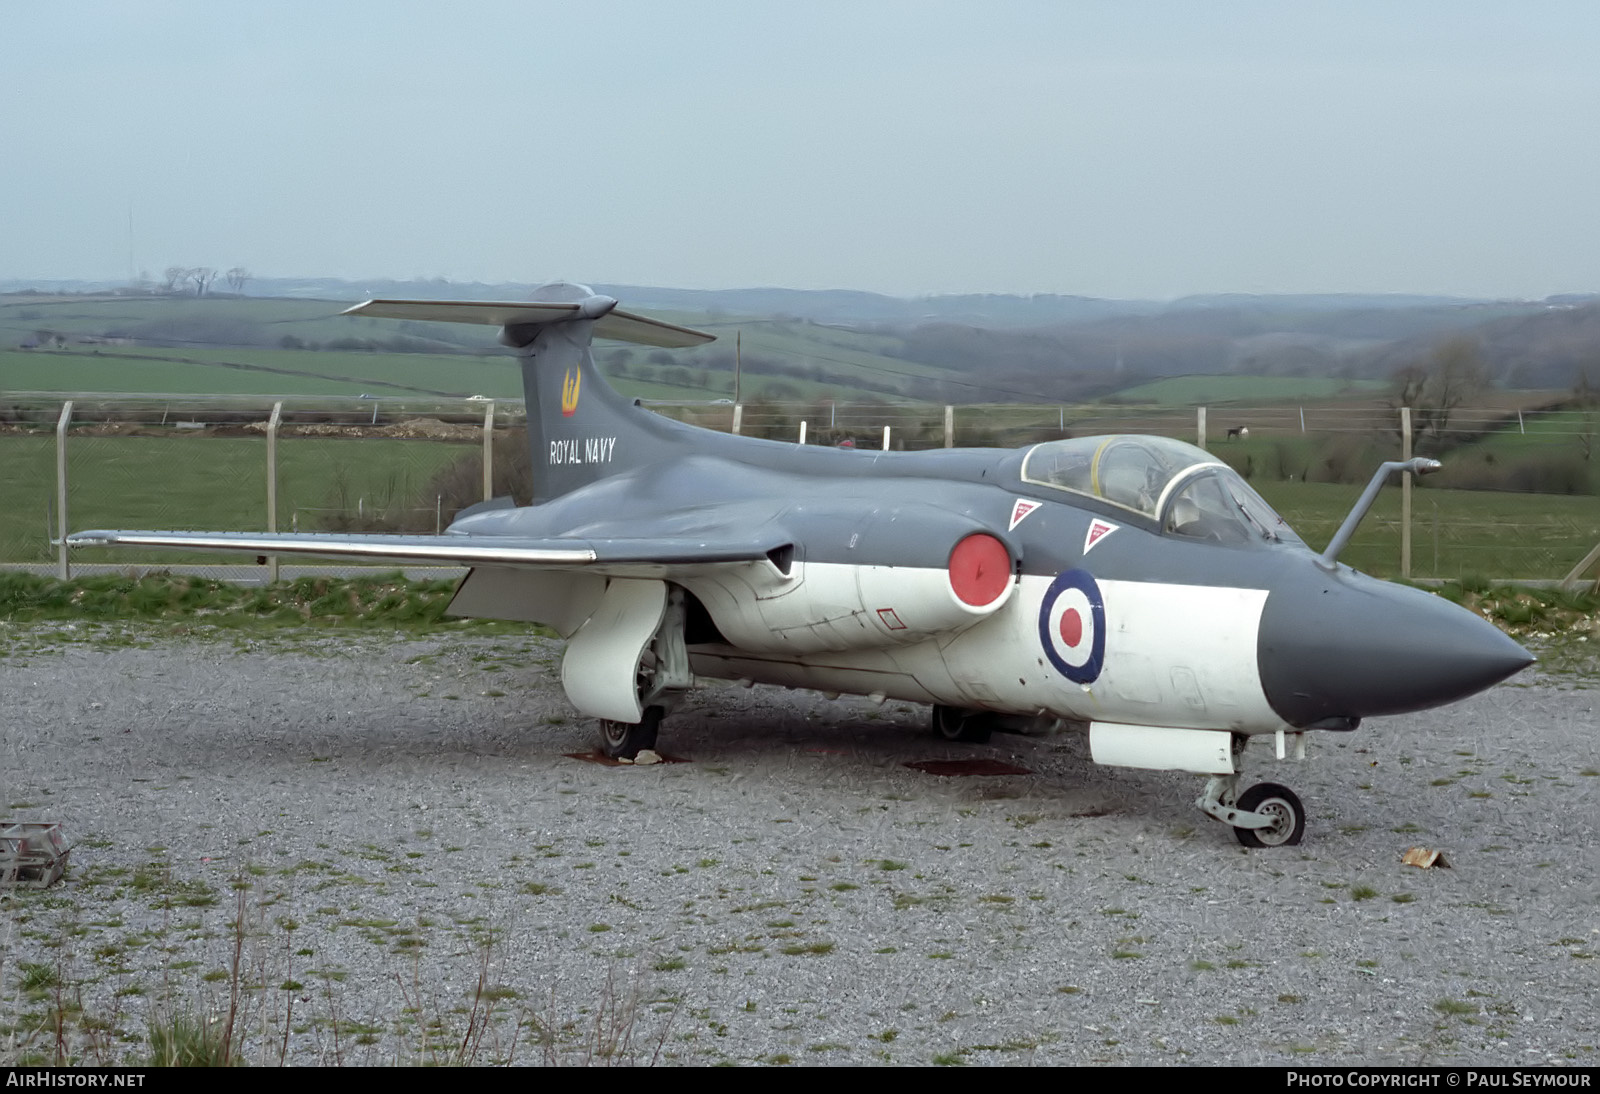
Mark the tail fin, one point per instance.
(579, 428)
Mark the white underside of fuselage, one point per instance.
(1173, 655)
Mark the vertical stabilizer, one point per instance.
(579, 428)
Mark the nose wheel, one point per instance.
(1285, 815)
(1266, 815)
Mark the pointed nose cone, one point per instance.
(1343, 645)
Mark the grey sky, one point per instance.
(1109, 149)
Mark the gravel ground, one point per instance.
(372, 826)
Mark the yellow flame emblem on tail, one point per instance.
(569, 393)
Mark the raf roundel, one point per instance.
(1072, 626)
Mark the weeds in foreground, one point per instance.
(262, 1015)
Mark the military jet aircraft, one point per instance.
(1130, 584)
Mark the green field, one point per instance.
(266, 372)
(218, 483)
(222, 345)
(207, 483)
(1454, 533)
(1255, 390)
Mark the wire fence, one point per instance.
(1517, 498)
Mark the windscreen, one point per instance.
(1215, 505)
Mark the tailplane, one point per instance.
(579, 428)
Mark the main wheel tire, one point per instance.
(1279, 802)
(955, 724)
(625, 740)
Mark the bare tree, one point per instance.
(1453, 373)
(202, 276)
(173, 277)
(238, 277)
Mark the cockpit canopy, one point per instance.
(1182, 488)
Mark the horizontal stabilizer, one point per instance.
(621, 325)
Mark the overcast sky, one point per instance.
(1118, 149)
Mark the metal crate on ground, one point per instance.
(33, 854)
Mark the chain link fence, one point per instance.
(1517, 498)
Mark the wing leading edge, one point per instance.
(600, 555)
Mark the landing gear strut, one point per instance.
(1266, 815)
(661, 677)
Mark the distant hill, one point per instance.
(803, 344)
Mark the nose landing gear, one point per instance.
(1266, 815)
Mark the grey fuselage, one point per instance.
(1331, 645)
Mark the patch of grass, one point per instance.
(385, 600)
(188, 1041)
(808, 948)
(37, 978)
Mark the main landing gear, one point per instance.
(622, 741)
(661, 677)
(956, 724)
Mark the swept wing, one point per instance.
(601, 555)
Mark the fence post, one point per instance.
(1405, 493)
(488, 451)
(949, 427)
(63, 567)
(1200, 425)
(738, 417)
(802, 432)
(272, 485)
(886, 438)
(1577, 571)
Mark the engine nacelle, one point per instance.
(821, 606)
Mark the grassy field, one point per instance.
(1455, 533)
(245, 371)
(1211, 390)
(222, 345)
(204, 483)
(271, 373)
(218, 483)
